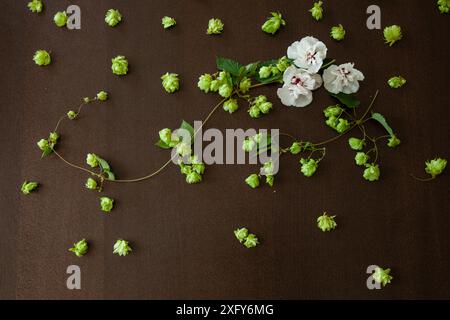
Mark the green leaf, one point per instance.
(186, 126)
(103, 164)
(162, 144)
(348, 100)
(110, 175)
(228, 65)
(250, 69)
(275, 78)
(382, 120)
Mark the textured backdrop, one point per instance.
(182, 235)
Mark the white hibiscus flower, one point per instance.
(297, 87)
(343, 78)
(308, 54)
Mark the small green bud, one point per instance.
(309, 167)
(204, 82)
(106, 204)
(53, 137)
(248, 145)
(241, 234)
(119, 65)
(435, 167)
(267, 168)
(43, 144)
(332, 122)
(80, 248)
(113, 17)
(245, 84)
(71, 115)
(225, 90)
(91, 184)
(60, 19)
(317, 11)
(443, 6)
(42, 58)
(361, 158)
(122, 247)
(260, 99)
(372, 172)
(165, 135)
(199, 168)
(392, 34)
(215, 85)
(396, 82)
(326, 222)
(265, 72)
(170, 82)
(343, 125)
(273, 23)
(215, 26)
(251, 241)
(296, 148)
(254, 111)
(102, 96)
(338, 33)
(283, 64)
(91, 160)
(393, 141)
(356, 144)
(230, 105)
(265, 107)
(193, 177)
(28, 187)
(270, 179)
(87, 100)
(382, 276)
(168, 22)
(333, 111)
(35, 6)
(253, 180)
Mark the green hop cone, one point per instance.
(35, 6)
(80, 248)
(215, 85)
(260, 99)
(254, 111)
(342, 126)
(193, 177)
(337, 33)
(273, 23)
(170, 82)
(119, 65)
(166, 136)
(183, 149)
(71, 115)
(248, 145)
(326, 222)
(332, 122)
(42, 58)
(253, 180)
(265, 107)
(308, 167)
(356, 144)
(91, 160)
(333, 111)
(392, 34)
(270, 179)
(204, 82)
(317, 11)
(102, 96)
(122, 247)
(113, 17)
(396, 82)
(60, 19)
(296, 148)
(251, 241)
(168, 22)
(106, 204)
(382, 276)
(199, 168)
(91, 184)
(245, 84)
(215, 26)
(372, 172)
(361, 158)
(241, 234)
(230, 105)
(43, 144)
(265, 72)
(225, 90)
(283, 63)
(53, 137)
(443, 6)
(435, 167)
(393, 141)
(28, 187)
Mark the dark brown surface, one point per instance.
(182, 235)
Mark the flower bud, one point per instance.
(245, 84)
(91, 159)
(326, 222)
(317, 11)
(361, 158)
(28, 187)
(60, 19)
(296, 148)
(265, 72)
(435, 166)
(122, 247)
(168, 22)
(309, 167)
(273, 24)
(204, 82)
(71, 115)
(253, 180)
(230, 105)
(338, 33)
(241, 234)
(372, 172)
(225, 90)
(106, 204)
(91, 184)
(382, 276)
(170, 82)
(119, 65)
(392, 34)
(113, 17)
(42, 58)
(102, 96)
(443, 6)
(356, 144)
(396, 82)
(393, 141)
(35, 6)
(215, 26)
(80, 248)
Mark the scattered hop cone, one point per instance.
(230, 105)
(102, 96)
(106, 204)
(35, 6)
(60, 19)
(91, 160)
(170, 82)
(338, 33)
(122, 247)
(80, 248)
(435, 167)
(251, 241)
(308, 167)
(119, 65)
(71, 115)
(241, 234)
(42, 58)
(113, 17)
(273, 23)
(168, 22)
(215, 26)
(326, 222)
(392, 34)
(396, 82)
(28, 187)
(296, 148)
(443, 6)
(91, 184)
(356, 144)
(204, 82)
(361, 158)
(317, 11)
(372, 172)
(382, 276)
(393, 141)
(253, 181)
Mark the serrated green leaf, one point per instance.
(228, 65)
(382, 120)
(162, 144)
(186, 126)
(347, 99)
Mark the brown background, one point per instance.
(183, 235)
